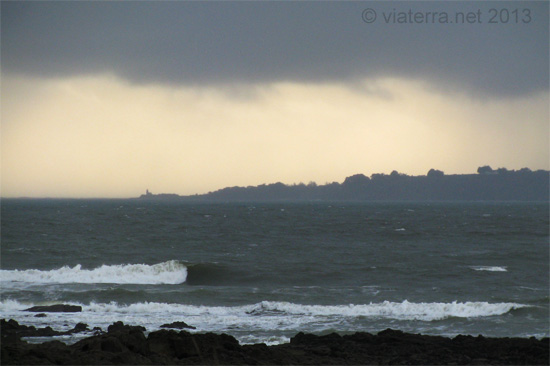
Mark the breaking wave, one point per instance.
(274, 309)
(394, 310)
(170, 272)
(258, 322)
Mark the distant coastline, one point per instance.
(487, 185)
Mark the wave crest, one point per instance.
(394, 310)
(170, 272)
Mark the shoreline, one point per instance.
(124, 345)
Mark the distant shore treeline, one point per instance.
(487, 185)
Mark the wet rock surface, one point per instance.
(58, 308)
(121, 327)
(127, 345)
(178, 325)
(11, 328)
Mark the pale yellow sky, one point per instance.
(101, 136)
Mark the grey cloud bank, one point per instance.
(243, 42)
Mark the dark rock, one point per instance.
(178, 325)
(122, 345)
(13, 328)
(11, 325)
(41, 315)
(125, 344)
(45, 332)
(58, 308)
(121, 327)
(111, 344)
(97, 331)
(80, 327)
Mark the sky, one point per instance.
(108, 99)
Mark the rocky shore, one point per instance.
(128, 345)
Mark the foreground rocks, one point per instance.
(124, 344)
(12, 329)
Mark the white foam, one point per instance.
(252, 323)
(395, 310)
(9, 305)
(489, 268)
(170, 272)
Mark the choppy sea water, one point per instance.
(263, 272)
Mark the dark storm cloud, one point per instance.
(242, 42)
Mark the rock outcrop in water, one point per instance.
(178, 325)
(124, 345)
(57, 308)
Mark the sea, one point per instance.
(262, 272)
